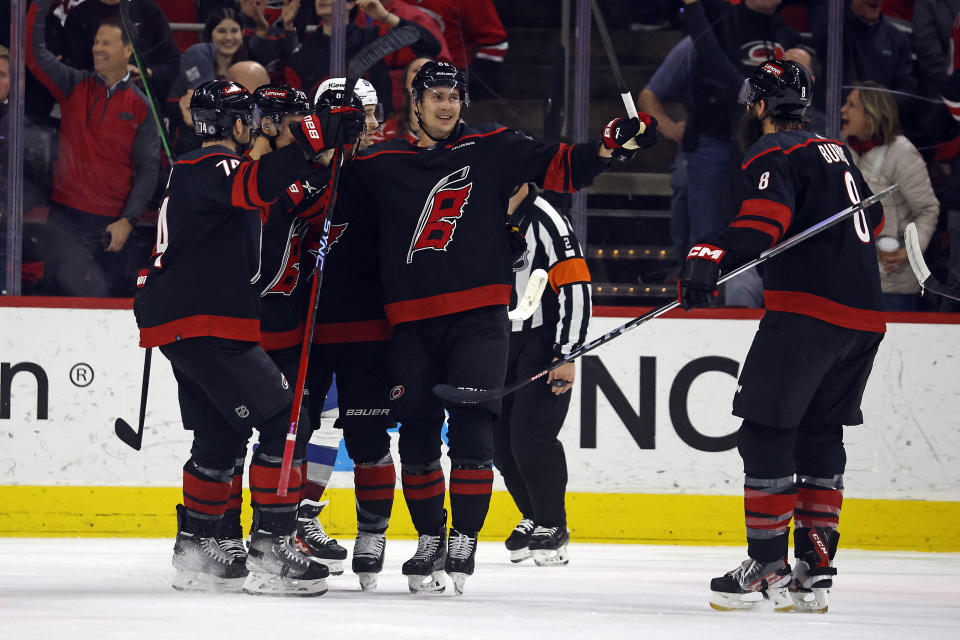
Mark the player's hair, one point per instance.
(114, 21)
(883, 117)
(4, 52)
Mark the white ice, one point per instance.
(98, 589)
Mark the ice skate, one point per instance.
(277, 568)
(518, 543)
(368, 552)
(750, 584)
(813, 570)
(201, 564)
(424, 570)
(549, 546)
(313, 540)
(461, 552)
(810, 587)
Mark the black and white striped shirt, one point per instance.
(552, 246)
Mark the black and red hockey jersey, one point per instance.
(285, 285)
(203, 277)
(791, 181)
(441, 212)
(351, 299)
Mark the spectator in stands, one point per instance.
(107, 167)
(248, 74)
(872, 128)
(270, 45)
(673, 82)
(749, 33)
(222, 47)
(311, 64)
(158, 52)
(873, 49)
(404, 124)
(476, 38)
(932, 21)
(398, 61)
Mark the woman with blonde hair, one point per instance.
(883, 154)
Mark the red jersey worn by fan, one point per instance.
(471, 29)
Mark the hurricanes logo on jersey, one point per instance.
(442, 209)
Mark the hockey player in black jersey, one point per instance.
(805, 373)
(440, 209)
(198, 301)
(527, 452)
(351, 342)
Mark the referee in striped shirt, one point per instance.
(527, 452)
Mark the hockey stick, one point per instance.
(918, 264)
(614, 63)
(123, 430)
(120, 426)
(477, 396)
(367, 57)
(531, 296)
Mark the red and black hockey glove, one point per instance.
(328, 129)
(624, 136)
(699, 275)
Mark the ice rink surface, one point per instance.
(97, 589)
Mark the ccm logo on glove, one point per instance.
(709, 252)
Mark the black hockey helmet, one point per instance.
(278, 100)
(216, 105)
(330, 94)
(784, 85)
(439, 74)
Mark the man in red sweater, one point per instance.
(107, 166)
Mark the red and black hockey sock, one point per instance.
(230, 526)
(205, 496)
(374, 485)
(272, 513)
(471, 484)
(817, 517)
(423, 489)
(768, 505)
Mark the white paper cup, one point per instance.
(887, 244)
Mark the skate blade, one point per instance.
(199, 582)
(551, 557)
(335, 567)
(519, 555)
(368, 581)
(459, 580)
(434, 583)
(780, 598)
(270, 584)
(815, 601)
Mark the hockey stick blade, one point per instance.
(383, 46)
(531, 296)
(127, 435)
(915, 255)
(464, 396)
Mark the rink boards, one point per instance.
(649, 436)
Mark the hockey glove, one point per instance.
(699, 275)
(328, 129)
(625, 136)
